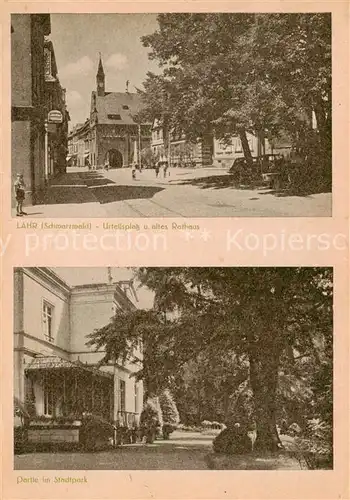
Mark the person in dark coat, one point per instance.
(19, 188)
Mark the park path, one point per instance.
(184, 451)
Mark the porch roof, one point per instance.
(55, 362)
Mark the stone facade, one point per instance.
(28, 100)
(111, 135)
(35, 90)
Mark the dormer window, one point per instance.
(114, 117)
(125, 106)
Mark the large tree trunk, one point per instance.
(263, 379)
(246, 148)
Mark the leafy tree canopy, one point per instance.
(228, 72)
(266, 314)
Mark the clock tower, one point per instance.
(100, 79)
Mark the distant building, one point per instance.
(54, 371)
(225, 152)
(210, 151)
(35, 90)
(181, 152)
(55, 99)
(79, 144)
(111, 135)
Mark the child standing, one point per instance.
(133, 171)
(19, 187)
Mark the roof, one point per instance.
(55, 362)
(124, 104)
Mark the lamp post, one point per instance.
(46, 160)
(139, 140)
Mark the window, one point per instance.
(125, 106)
(122, 395)
(49, 399)
(114, 117)
(47, 315)
(136, 398)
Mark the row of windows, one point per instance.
(50, 398)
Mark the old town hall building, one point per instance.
(111, 135)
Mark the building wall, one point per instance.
(107, 138)
(89, 309)
(21, 153)
(21, 75)
(35, 292)
(92, 309)
(27, 100)
(119, 138)
(76, 313)
(21, 95)
(225, 154)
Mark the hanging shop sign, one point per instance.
(55, 116)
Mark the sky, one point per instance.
(86, 275)
(77, 41)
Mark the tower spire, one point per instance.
(100, 78)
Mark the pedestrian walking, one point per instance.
(166, 166)
(19, 187)
(157, 168)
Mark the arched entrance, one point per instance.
(114, 158)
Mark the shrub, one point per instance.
(151, 419)
(95, 431)
(315, 444)
(232, 441)
(170, 413)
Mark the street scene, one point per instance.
(173, 368)
(153, 122)
(201, 192)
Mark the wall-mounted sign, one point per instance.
(55, 116)
(52, 128)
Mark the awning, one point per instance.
(86, 155)
(57, 363)
(69, 157)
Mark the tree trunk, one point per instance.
(263, 379)
(246, 149)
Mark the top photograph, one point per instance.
(171, 115)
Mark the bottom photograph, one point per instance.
(173, 368)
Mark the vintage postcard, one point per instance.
(174, 250)
(171, 115)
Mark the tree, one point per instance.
(233, 73)
(265, 314)
(211, 387)
(170, 413)
(262, 312)
(151, 419)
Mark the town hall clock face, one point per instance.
(100, 84)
